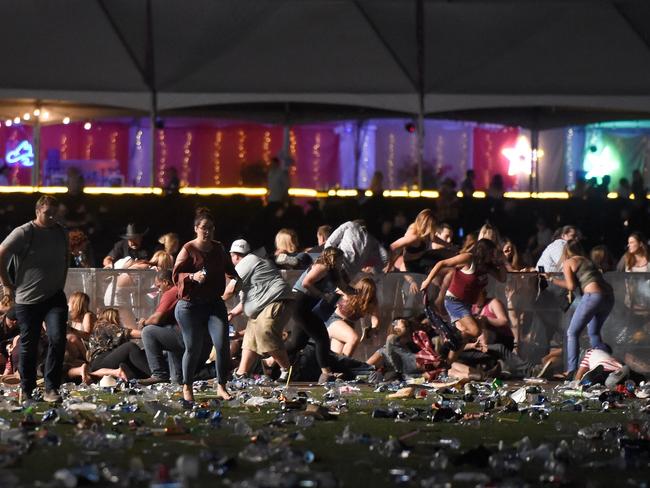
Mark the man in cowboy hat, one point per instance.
(130, 245)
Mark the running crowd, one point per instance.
(306, 330)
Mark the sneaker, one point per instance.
(617, 376)
(52, 396)
(594, 376)
(284, 374)
(152, 380)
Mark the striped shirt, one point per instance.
(596, 357)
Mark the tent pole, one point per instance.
(150, 74)
(285, 155)
(358, 144)
(419, 23)
(36, 147)
(534, 147)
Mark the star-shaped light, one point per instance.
(520, 157)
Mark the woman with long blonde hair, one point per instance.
(415, 246)
(287, 251)
(350, 309)
(82, 320)
(593, 308)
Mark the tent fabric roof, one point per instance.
(478, 54)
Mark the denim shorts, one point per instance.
(334, 317)
(456, 308)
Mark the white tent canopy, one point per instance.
(475, 54)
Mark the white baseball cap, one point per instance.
(240, 246)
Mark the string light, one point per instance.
(464, 146)
(187, 155)
(488, 153)
(365, 160)
(218, 138)
(138, 148)
(17, 120)
(89, 146)
(390, 163)
(316, 161)
(162, 166)
(88, 126)
(66, 120)
(45, 115)
(113, 145)
(569, 157)
(440, 154)
(241, 146)
(293, 151)
(9, 122)
(414, 147)
(64, 147)
(266, 147)
(37, 112)
(241, 151)
(27, 116)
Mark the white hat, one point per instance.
(240, 246)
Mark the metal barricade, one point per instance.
(539, 313)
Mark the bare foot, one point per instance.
(223, 393)
(122, 375)
(188, 393)
(85, 374)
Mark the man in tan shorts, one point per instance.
(266, 299)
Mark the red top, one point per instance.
(467, 286)
(216, 263)
(166, 306)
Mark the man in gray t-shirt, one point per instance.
(38, 253)
(266, 300)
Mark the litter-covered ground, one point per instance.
(345, 434)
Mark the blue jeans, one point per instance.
(157, 339)
(199, 322)
(54, 312)
(592, 311)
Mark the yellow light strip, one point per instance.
(294, 192)
(253, 192)
(517, 194)
(343, 193)
(396, 193)
(51, 189)
(122, 190)
(33, 189)
(559, 195)
(303, 192)
(16, 189)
